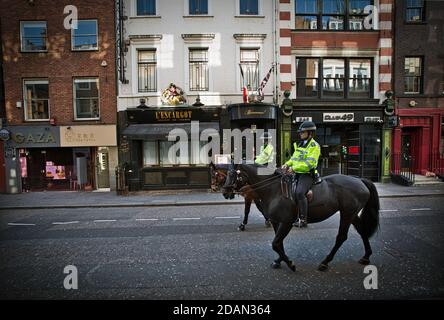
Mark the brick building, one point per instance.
(336, 65)
(60, 94)
(418, 138)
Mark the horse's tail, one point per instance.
(370, 215)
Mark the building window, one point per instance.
(359, 78)
(150, 153)
(249, 63)
(85, 36)
(333, 72)
(442, 137)
(33, 36)
(86, 98)
(147, 66)
(307, 73)
(198, 7)
(36, 99)
(146, 7)
(330, 14)
(414, 10)
(249, 7)
(334, 78)
(199, 74)
(412, 75)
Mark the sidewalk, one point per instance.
(74, 199)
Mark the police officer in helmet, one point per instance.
(303, 165)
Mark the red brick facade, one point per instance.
(59, 64)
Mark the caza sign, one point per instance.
(34, 136)
(338, 117)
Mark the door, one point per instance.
(409, 149)
(102, 168)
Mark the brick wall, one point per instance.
(59, 65)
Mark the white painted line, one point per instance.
(105, 220)
(186, 218)
(227, 217)
(420, 209)
(68, 222)
(21, 224)
(389, 210)
(147, 219)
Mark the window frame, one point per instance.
(80, 80)
(346, 92)
(198, 14)
(138, 50)
(258, 51)
(97, 36)
(346, 15)
(136, 13)
(421, 76)
(423, 13)
(22, 23)
(190, 63)
(259, 9)
(25, 107)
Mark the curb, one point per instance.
(176, 204)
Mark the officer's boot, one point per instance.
(303, 213)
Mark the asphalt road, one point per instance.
(198, 253)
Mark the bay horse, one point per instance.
(218, 177)
(346, 194)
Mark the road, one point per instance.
(198, 253)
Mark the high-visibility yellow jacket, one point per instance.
(305, 158)
(266, 155)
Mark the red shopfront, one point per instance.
(419, 136)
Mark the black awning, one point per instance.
(160, 131)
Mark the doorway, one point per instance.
(409, 149)
(102, 168)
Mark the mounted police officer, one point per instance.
(303, 164)
(267, 151)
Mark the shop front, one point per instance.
(350, 140)
(253, 116)
(418, 140)
(40, 158)
(152, 161)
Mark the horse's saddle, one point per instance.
(288, 182)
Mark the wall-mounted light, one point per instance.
(413, 103)
(104, 63)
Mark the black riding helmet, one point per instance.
(307, 126)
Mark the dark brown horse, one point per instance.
(337, 193)
(218, 177)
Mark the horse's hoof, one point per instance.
(323, 267)
(275, 265)
(241, 227)
(364, 261)
(292, 266)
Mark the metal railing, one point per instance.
(437, 164)
(402, 168)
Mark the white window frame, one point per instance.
(204, 44)
(25, 105)
(188, 14)
(156, 55)
(259, 14)
(22, 23)
(203, 48)
(155, 46)
(258, 49)
(97, 35)
(248, 44)
(134, 11)
(86, 79)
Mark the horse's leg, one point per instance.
(261, 209)
(278, 244)
(246, 212)
(276, 263)
(368, 249)
(340, 238)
